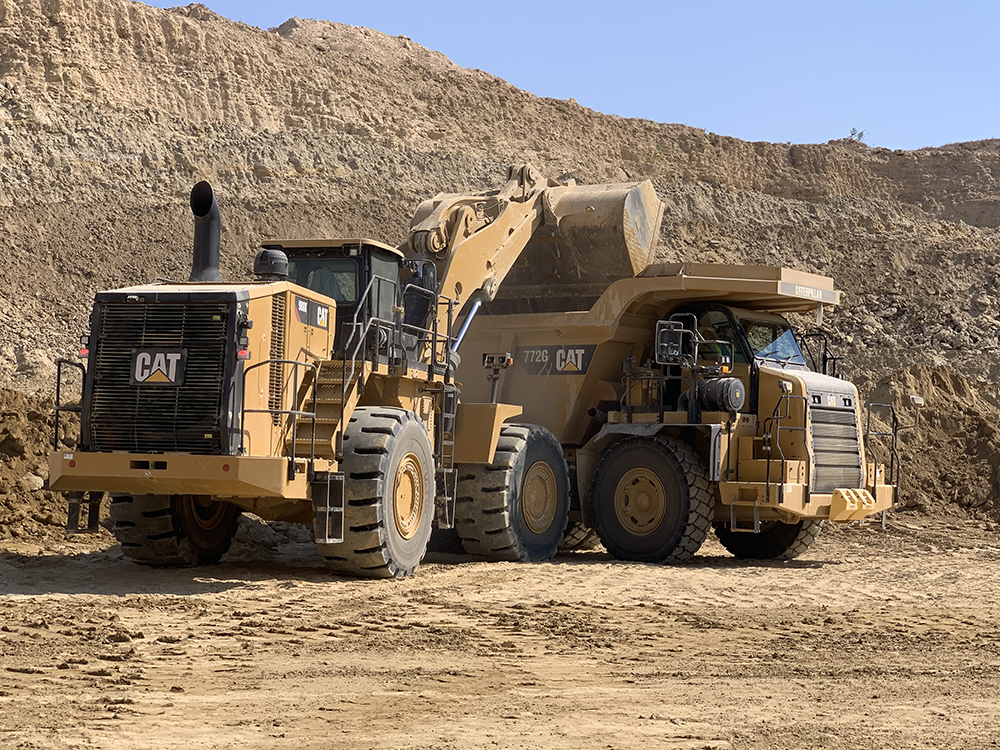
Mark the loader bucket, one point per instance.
(592, 235)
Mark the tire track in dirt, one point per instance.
(871, 641)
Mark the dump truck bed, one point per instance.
(579, 354)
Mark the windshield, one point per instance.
(334, 277)
(772, 339)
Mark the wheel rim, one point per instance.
(539, 497)
(206, 512)
(640, 502)
(408, 496)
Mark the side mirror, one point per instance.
(785, 386)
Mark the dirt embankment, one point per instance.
(110, 111)
(28, 511)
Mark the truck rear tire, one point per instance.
(777, 541)
(579, 536)
(388, 493)
(516, 508)
(650, 500)
(173, 530)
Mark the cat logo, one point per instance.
(554, 360)
(158, 366)
(570, 360)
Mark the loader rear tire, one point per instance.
(516, 508)
(173, 530)
(388, 493)
(651, 500)
(579, 536)
(777, 541)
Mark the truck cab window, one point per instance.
(715, 325)
(772, 339)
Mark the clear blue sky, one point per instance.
(910, 74)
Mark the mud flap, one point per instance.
(327, 489)
(93, 513)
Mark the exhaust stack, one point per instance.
(207, 234)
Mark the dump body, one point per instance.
(569, 374)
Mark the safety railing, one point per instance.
(822, 359)
(370, 320)
(676, 347)
(366, 324)
(893, 448)
(431, 339)
(60, 407)
(293, 414)
(772, 439)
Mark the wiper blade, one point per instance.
(783, 361)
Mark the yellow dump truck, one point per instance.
(683, 401)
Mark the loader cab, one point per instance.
(362, 276)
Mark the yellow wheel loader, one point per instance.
(324, 391)
(683, 401)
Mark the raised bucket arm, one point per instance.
(572, 237)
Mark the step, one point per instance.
(323, 449)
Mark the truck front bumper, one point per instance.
(794, 501)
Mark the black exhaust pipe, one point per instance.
(207, 234)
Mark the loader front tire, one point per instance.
(173, 530)
(517, 507)
(776, 541)
(651, 500)
(388, 493)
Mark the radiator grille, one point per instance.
(159, 418)
(836, 450)
(276, 370)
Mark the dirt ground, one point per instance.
(875, 639)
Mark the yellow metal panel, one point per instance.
(477, 430)
(175, 474)
(853, 505)
(756, 471)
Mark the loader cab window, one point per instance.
(337, 278)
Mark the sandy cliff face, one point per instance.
(111, 110)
